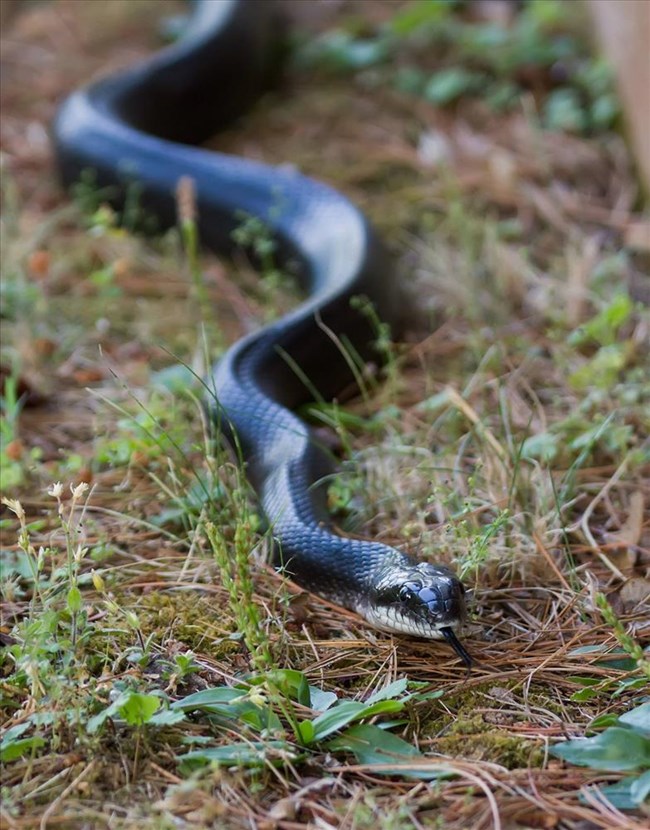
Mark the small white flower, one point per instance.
(16, 507)
(79, 490)
(56, 490)
(79, 553)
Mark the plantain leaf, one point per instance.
(372, 746)
(615, 750)
(348, 711)
(638, 719)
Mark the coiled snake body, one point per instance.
(137, 125)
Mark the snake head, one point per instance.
(421, 599)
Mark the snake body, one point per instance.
(140, 125)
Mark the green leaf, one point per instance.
(135, 708)
(640, 789)
(394, 689)
(138, 709)
(615, 750)
(21, 746)
(628, 793)
(584, 681)
(208, 699)
(348, 711)
(409, 80)
(259, 718)
(638, 719)
(99, 719)
(176, 378)
(231, 704)
(321, 700)
(603, 369)
(585, 694)
(563, 111)
(604, 327)
(339, 51)
(449, 84)
(74, 600)
(415, 16)
(238, 754)
(166, 717)
(435, 402)
(372, 746)
(307, 732)
(615, 658)
(604, 111)
(602, 721)
(543, 446)
(290, 683)
(14, 732)
(630, 684)
(12, 746)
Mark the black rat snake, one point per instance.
(137, 125)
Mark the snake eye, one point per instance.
(408, 591)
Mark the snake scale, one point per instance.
(143, 125)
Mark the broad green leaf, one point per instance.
(238, 754)
(10, 735)
(449, 84)
(585, 694)
(138, 709)
(630, 684)
(640, 789)
(394, 689)
(615, 658)
(563, 111)
(99, 719)
(208, 698)
(348, 711)
(602, 721)
(615, 750)
(372, 746)
(601, 371)
(306, 728)
(628, 793)
(434, 694)
(337, 50)
(10, 749)
(320, 700)
(584, 681)
(74, 600)
(414, 16)
(604, 326)
(638, 719)
(231, 704)
(259, 718)
(291, 683)
(543, 446)
(166, 717)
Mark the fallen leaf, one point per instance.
(630, 532)
(634, 592)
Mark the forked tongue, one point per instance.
(457, 646)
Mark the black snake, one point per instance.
(137, 125)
